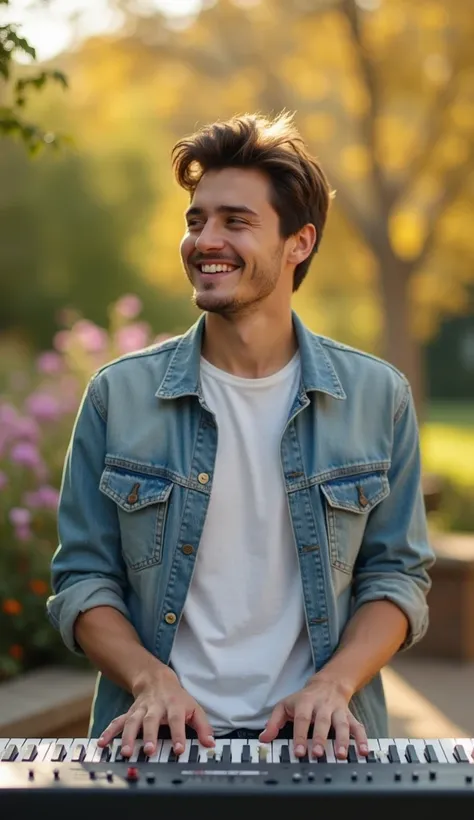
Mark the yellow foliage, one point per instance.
(432, 15)
(462, 115)
(407, 230)
(452, 151)
(355, 161)
(318, 127)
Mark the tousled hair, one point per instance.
(300, 192)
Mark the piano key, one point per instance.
(77, 750)
(329, 752)
(466, 742)
(165, 751)
(57, 750)
(411, 754)
(136, 750)
(449, 744)
(376, 754)
(284, 753)
(439, 754)
(246, 756)
(59, 753)
(45, 747)
(155, 757)
(10, 753)
(29, 752)
(226, 755)
(93, 751)
(194, 753)
(3, 744)
(460, 753)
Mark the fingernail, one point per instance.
(341, 750)
(179, 748)
(318, 750)
(126, 750)
(364, 747)
(210, 739)
(300, 750)
(148, 748)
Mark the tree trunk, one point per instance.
(400, 346)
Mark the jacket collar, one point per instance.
(182, 375)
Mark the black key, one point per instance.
(304, 759)
(285, 754)
(106, 754)
(246, 756)
(430, 754)
(410, 754)
(173, 757)
(142, 756)
(118, 755)
(226, 755)
(393, 755)
(460, 754)
(79, 753)
(10, 753)
(59, 753)
(323, 758)
(194, 754)
(352, 754)
(372, 757)
(30, 753)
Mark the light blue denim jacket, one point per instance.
(138, 477)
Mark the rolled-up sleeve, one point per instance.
(87, 569)
(396, 556)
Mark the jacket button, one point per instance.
(170, 618)
(188, 549)
(203, 478)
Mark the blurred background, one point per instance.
(93, 95)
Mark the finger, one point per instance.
(131, 729)
(177, 726)
(113, 729)
(342, 733)
(276, 721)
(151, 726)
(322, 725)
(201, 725)
(360, 737)
(302, 720)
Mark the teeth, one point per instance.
(217, 268)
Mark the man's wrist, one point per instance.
(337, 680)
(153, 675)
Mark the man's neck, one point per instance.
(252, 345)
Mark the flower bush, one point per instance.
(38, 403)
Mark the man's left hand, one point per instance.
(323, 703)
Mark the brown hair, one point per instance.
(300, 190)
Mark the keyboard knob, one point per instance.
(132, 774)
(296, 777)
(432, 775)
(369, 777)
(398, 775)
(415, 776)
(354, 776)
(56, 774)
(327, 778)
(31, 774)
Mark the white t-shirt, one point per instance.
(242, 643)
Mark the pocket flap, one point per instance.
(358, 494)
(133, 492)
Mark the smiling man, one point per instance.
(243, 543)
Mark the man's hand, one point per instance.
(159, 699)
(324, 703)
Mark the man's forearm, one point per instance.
(113, 646)
(371, 638)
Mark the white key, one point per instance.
(448, 744)
(236, 747)
(385, 742)
(137, 747)
(29, 741)
(64, 741)
(329, 749)
(261, 752)
(165, 751)
(276, 750)
(401, 743)
(440, 753)
(77, 741)
(202, 751)
(374, 746)
(3, 743)
(91, 750)
(15, 741)
(43, 747)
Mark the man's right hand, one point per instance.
(159, 699)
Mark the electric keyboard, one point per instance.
(51, 776)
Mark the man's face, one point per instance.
(232, 251)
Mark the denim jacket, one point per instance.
(139, 474)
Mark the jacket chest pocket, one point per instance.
(142, 506)
(348, 504)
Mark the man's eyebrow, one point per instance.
(221, 209)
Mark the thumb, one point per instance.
(275, 722)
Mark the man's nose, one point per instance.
(210, 238)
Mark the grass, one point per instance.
(447, 441)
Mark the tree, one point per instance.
(383, 91)
(12, 120)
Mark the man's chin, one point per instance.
(214, 303)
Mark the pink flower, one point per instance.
(26, 454)
(129, 306)
(3, 480)
(132, 337)
(19, 517)
(61, 340)
(92, 338)
(23, 533)
(43, 406)
(45, 497)
(49, 363)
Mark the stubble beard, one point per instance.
(263, 283)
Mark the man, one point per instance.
(242, 531)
